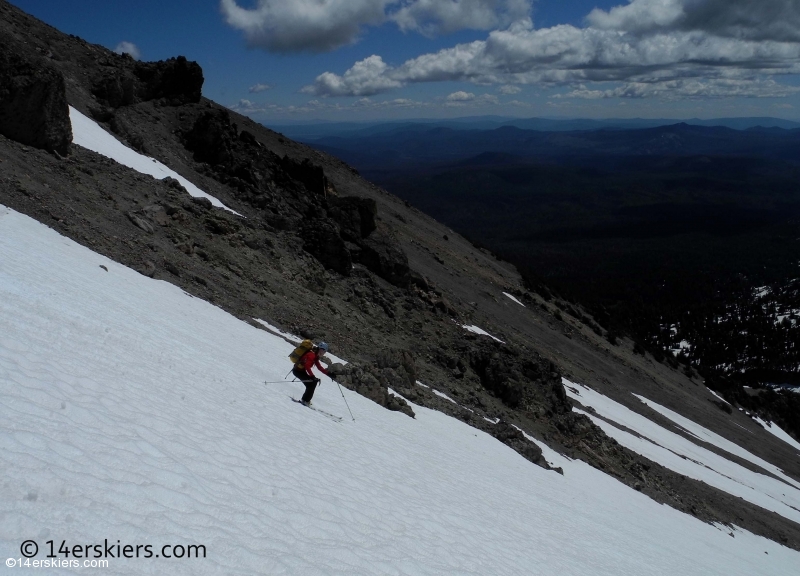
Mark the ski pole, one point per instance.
(279, 382)
(345, 401)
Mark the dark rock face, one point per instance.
(321, 239)
(521, 379)
(381, 254)
(33, 102)
(211, 137)
(511, 436)
(177, 81)
(355, 216)
(310, 175)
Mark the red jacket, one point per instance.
(308, 360)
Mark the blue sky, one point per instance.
(349, 60)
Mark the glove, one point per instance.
(332, 377)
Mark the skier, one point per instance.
(302, 370)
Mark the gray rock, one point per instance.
(140, 222)
(33, 101)
(382, 255)
(147, 269)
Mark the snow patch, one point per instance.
(89, 134)
(514, 299)
(683, 456)
(718, 396)
(713, 438)
(481, 331)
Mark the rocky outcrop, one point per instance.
(511, 436)
(307, 173)
(123, 81)
(33, 102)
(321, 239)
(382, 254)
(211, 137)
(356, 217)
(393, 369)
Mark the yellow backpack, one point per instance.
(300, 351)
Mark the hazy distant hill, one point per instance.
(314, 130)
(644, 226)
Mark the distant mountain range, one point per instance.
(320, 129)
(415, 145)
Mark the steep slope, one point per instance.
(320, 252)
(139, 417)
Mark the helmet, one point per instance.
(322, 346)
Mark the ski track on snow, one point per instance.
(133, 412)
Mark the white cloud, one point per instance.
(366, 77)
(250, 108)
(430, 17)
(368, 104)
(256, 88)
(460, 96)
(644, 43)
(128, 48)
(509, 89)
(297, 25)
(321, 25)
(690, 88)
(777, 20)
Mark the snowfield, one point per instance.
(133, 412)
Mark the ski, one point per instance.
(333, 417)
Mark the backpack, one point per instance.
(304, 347)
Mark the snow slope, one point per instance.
(777, 431)
(778, 493)
(131, 411)
(88, 133)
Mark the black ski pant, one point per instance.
(311, 383)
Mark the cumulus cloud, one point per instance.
(691, 88)
(321, 25)
(509, 89)
(251, 108)
(256, 88)
(777, 20)
(431, 17)
(128, 48)
(643, 43)
(368, 104)
(460, 96)
(366, 78)
(298, 25)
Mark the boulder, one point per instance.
(382, 255)
(354, 216)
(33, 102)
